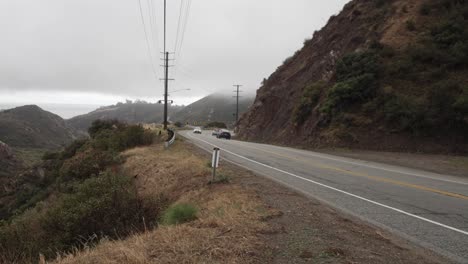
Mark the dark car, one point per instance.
(224, 134)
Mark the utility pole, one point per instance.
(237, 100)
(166, 83)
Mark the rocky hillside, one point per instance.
(213, 108)
(9, 164)
(383, 75)
(129, 112)
(31, 127)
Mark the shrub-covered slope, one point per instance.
(75, 197)
(30, 126)
(384, 75)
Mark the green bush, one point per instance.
(106, 206)
(50, 155)
(22, 239)
(99, 125)
(345, 93)
(216, 125)
(461, 104)
(425, 9)
(410, 25)
(87, 164)
(356, 75)
(356, 64)
(73, 148)
(310, 97)
(179, 213)
(122, 138)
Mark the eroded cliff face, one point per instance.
(362, 25)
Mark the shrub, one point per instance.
(179, 213)
(99, 125)
(122, 138)
(461, 104)
(310, 97)
(72, 148)
(403, 113)
(51, 155)
(22, 239)
(87, 164)
(217, 125)
(345, 93)
(356, 64)
(356, 75)
(410, 25)
(425, 9)
(104, 206)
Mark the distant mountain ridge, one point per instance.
(32, 127)
(130, 112)
(214, 107)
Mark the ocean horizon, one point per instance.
(66, 111)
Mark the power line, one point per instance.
(178, 24)
(153, 24)
(186, 18)
(184, 13)
(148, 45)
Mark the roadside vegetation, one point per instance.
(77, 196)
(199, 222)
(119, 196)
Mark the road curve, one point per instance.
(427, 208)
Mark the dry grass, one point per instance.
(396, 33)
(229, 218)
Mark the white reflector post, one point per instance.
(215, 161)
(215, 158)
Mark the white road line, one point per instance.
(328, 157)
(340, 191)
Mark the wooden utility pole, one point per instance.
(237, 100)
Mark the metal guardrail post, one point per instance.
(169, 142)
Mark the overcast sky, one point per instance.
(94, 52)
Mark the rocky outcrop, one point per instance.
(5, 152)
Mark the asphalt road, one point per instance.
(426, 208)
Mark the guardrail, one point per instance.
(171, 138)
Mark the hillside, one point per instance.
(31, 127)
(9, 164)
(381, 75)
(130, 112)
(214, 107)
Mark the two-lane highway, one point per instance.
(427, 208)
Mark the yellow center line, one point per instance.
(363, 175)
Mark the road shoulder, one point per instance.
(306, 230)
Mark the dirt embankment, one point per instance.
(247, 220)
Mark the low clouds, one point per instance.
(89, 46)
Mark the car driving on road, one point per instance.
(224, 134)
(197, 130)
